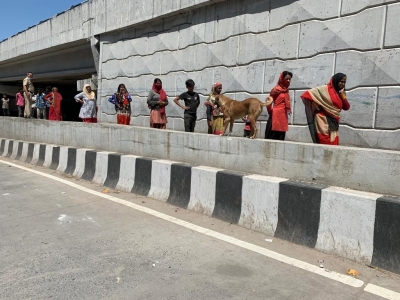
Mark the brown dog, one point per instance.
(252, 107)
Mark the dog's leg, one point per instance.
(253, 127)
(231, 127)
(226, 122)
(255, 133)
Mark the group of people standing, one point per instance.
(157, 100)
(47, 104)
(323, 105)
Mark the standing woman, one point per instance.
(88, 112)
(55, 99)
(215, 115)
(323, 106)
(157, 101)
(122, 101)
(279, 109)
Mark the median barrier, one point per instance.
(361, 226)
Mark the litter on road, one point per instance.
(352, 272)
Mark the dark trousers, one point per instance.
(190, 122)
(6, 112)
(21, 110)
(46, 112)
(272, 134)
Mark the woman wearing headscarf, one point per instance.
(157, 100)
(55, 100)
(122, 101)
(215, 119)
(279, 109)
(323, 106)
(88, 112)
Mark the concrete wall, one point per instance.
(360, 169)
(246, 44)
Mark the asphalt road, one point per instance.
(60, 242)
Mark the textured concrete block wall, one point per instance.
(246, 44)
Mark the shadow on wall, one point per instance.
(279, 3)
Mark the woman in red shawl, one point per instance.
(279, 109)
(157, 101)
(55, 100)
(323, 106)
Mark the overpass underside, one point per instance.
(62, 64)
(60, 67)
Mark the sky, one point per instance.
(18, 15)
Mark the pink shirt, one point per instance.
(20, 99)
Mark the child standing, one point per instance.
(5, 105)
(19, 97)
(192, 102)
(40, 104)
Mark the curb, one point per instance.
(361, 226)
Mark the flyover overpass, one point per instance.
(65, 48)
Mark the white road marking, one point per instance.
(345, 279)
(382, 292)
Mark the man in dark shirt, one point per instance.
(192, 102)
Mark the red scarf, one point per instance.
(163, 97)
(281, 87)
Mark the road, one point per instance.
(78, 241)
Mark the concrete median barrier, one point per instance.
(361, 226)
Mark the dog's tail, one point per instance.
(268, 101)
